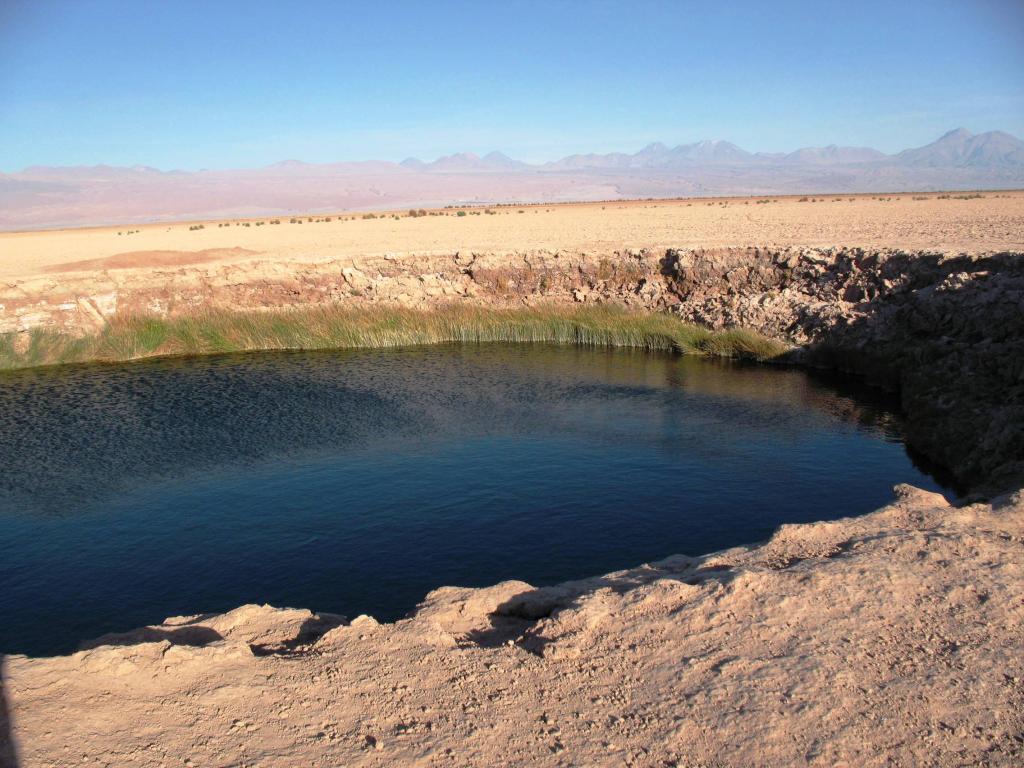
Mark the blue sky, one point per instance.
(219, 84)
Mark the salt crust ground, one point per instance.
(889, 639)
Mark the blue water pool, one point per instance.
(355, 482)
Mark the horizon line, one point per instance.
(495, 151)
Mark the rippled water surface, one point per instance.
(355, 482)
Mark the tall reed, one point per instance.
(219, 331)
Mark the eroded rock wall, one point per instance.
(947, 332)
(80, 302)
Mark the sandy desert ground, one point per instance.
(992, 222)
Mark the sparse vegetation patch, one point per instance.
(212, 332)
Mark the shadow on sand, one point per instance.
(196, 634)
(184, 635)
(516, 620)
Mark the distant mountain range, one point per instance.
(45, 196)
(961, 148)
(957, 149)
(466, 162)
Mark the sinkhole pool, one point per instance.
(357, 481)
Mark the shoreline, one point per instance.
(710, 660)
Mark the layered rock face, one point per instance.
(82, 301)
(947, 332)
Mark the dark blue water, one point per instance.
(356, 482)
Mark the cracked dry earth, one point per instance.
(889, 639)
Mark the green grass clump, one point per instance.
(212, 332)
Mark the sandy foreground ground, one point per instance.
(890, 639)
(993, 222)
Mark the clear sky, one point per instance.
(184, 84)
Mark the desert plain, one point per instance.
(946, 222)
(894, 638)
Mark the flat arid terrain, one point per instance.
(948, 222)
(894, 638)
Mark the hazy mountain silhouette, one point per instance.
(466, 162)
(43, 196)
(961, 148)
(832, 155)
(658, 156)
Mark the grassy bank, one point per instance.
(133, 338)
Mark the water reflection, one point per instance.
(74, 436)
